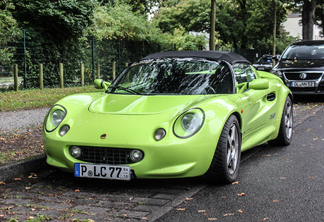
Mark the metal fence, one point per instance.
(28, 51)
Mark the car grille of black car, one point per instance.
(310, 75)
(105, 155)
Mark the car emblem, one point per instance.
(103, 136)
(302, 75)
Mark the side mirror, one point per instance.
(258, 84)
(101, 84)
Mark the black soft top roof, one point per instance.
(230, 57)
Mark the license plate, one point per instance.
(302, 84)
(102, 171)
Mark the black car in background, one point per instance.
(301, 67)
(264, 63)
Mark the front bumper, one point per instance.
(171, 157)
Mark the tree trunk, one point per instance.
(274, 31)
(308, 17)
(212, 25)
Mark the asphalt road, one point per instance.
(275, 184)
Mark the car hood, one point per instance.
(137, 104)
(300, 64)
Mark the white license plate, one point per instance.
(302, 84)
(103, 171)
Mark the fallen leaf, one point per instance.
(181, 209)
(212, 219)
(189, 198)
(240, 211)
(229, 214)
(17, 179)
(315, 138)
(201, 211)
(310, 177)
(236, 182)
(264, 219)
(266, 155)
(144, 218)
(275, 201)
(1, 215)
(30, 218)
(241, 194)
(77, 190)
(2, 183)
(282, 178)
(27, 188)
(223, 197)
(308, 130)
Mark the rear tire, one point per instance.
(286, 126)
(226, 161)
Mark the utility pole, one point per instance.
(274, 30)
(212, 25)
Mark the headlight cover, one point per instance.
(277, 73)
(54, 117)
(189, 123)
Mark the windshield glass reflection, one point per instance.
(175, 76)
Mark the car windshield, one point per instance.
(175, 76)
(304, 52)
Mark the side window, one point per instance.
(243, 72)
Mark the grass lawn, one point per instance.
(36, 98)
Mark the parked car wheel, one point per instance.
(286, 126)
(225, 164)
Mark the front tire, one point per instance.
(226, 161)
(286, 126)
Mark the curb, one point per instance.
(38, 163)
(23, 167)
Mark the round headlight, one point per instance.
(75, 151)
(189, 123)
(57, 117)
(136, 155)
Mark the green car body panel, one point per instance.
(130, 121)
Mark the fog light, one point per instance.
(64, 129)
(159, 134)
(136, 155)
(75, 151)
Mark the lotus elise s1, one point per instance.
(170, 115)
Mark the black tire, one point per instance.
(226, 161)
(286, 126)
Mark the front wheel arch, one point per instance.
(226, 160)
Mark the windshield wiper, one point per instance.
(126, 89)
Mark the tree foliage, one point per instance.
(60, 22)
(8, 32)
(238, 22)
(118, 21)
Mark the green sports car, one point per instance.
(170, 115)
